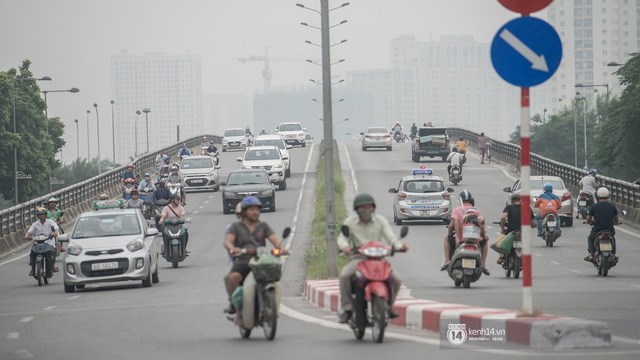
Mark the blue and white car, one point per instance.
(422, 196)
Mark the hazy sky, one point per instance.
(73, 40)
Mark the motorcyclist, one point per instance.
(247, 132)
(454, 234)
(602, 217)
(364, 226)
(548, 203)
(397, 128)
(250, 232)
(588, 184)
(184, 151)
(414, 130)
(174, 209)
(160, 159)
(47, 227)
(103, 196)
(461, 144)
(205, 142)
(177, 178)
(212, 149)
(510, 220)
(134, 202)
(128, 173)
(454, 158)
(161, 193)
(55, 214)
(263, 132)
(147, 183)
(238, 212)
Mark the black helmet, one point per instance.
(460, 137)
(465, 196)
(455, 149)
(363, 199)
(515, 197)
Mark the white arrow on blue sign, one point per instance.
(526, 51)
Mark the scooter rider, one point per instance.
(184, 151)
(461, 144)
(588, 183)
(161, 193)
(47, 227)
(414, 130)
(548, 203)
(602, 216)
(128, 174)
(510, 220)
(454, 234)
(364, 226)
(134, 202)
(174, 209)
(249, 232)
(177, 178)
(147, 183)
(55, 214)
(454, 158)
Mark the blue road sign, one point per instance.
(526, 51)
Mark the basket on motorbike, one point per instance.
(266, 268)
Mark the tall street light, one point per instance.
(98, 127)
(584, 114)
(88, 142)
(135, 126)
(15, 130)
(146, 112)
(113, 133)
(77, 139)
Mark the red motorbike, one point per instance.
(372, 287)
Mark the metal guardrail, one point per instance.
(623, 193)
(21, 216)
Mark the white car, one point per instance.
(277, 141)
(110, 244)
(376, 137)
(234, 139)
(293, 133)
(268, 158)
(200, 173)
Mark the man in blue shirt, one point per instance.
(184, 151)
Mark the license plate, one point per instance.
(197, 181)
(551, 224)
(471, 232)
(582, 203)
(517, 245)
(104, 266)
(469, 263)
(606, 247)
(429, 212)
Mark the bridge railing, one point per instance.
(624, 194)
(20, 217)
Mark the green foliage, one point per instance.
(78, 171)
(36, 149)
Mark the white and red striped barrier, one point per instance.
(546, 331)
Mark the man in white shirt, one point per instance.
(454, 158)
(47, 227)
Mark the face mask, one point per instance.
(365, 214)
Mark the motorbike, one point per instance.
(371, 292)
(127, 186)
(604, 258)
(585, 201)
(455, 175)
(175, 236)
(215, 158)
(40, 248)
(157, 211)
(463, 158)
(144, 195)
(513, 260)
(549, 230)
(398, 136)
(465, 265)
(258, 299)
(175, 188)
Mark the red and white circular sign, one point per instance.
(525, 6)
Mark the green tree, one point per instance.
(80, 170)
(36, 148)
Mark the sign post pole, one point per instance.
(525, 212)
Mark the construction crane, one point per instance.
(266, 72)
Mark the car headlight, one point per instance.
(212, 173)
(267, 193)
(135, 245)
(245, 166)
(74, 250)
(229, 195)
(275, 167)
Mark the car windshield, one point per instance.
(290, 127)
(107, 225)
(265, 154)
(234, 132)
(197, 163)
(274, 142)
(539, 184)
(423, 186)
(379, 130)
(248, 178)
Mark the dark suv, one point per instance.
(432, 142)
(250, 182)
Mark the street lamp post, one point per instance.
(584, 114)
(113, 133)
(98, 127)
(146, 112)
(77, 139)
(88, 142)
(135, 126)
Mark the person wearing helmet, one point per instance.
(454, 158)
(588, 185)
(249, 232)
(174, 210)
(247, 132)
(161, 193)
(454, 233)
(175, 177)
(184, 151)
(128, 173)
(238, 212)
(160, 159)
(103, 196)
(205, 142)
(603, 215)
(414, 131)
(548, 203)
(134, 202)
(47, 227)
(510, 220)
(55, 214)
(147, 183)
(462, 144)
(263, 132)
(364, 226)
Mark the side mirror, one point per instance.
(404, 231)
(507, 189)
(344, 229)
(623, 213)
(361, 133)
(223, 183)
(151, 232)
(289, 146)
(304, 129)
(239, 159)
(285, 158)
(286, 232)
(218, 167)
(63, 238)
(393, 191)
(451, 190)
(61, 213)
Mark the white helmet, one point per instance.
(602, 193)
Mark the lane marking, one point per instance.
(636, 286)
(26, 319)
(200, 207)
(49, 308)
(577, 272)
(195, 212)
(555, 263)
(351, 169)
(206, 201)
(538, 254)
(15, 259)
(13, 335)
(299, 203)
(74, 297)
(24, 354)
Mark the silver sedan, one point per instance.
(376, 137)
(421, 197)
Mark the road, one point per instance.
(181, 317)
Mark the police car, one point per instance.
(421, 196)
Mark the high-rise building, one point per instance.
(169, 85)
(593, 33)
(449, 83)
(222, 112)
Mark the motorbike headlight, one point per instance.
(375, 252)
(135, 245)
(229, 195)
(74, 250)
(267, 193)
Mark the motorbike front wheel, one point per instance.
(517, 264)
(379, 314)
(604, 261)
(270, 315)
(466, 282)
(175, 253)
(39, 273)
(244, 333)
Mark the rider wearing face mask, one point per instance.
(364, 226)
